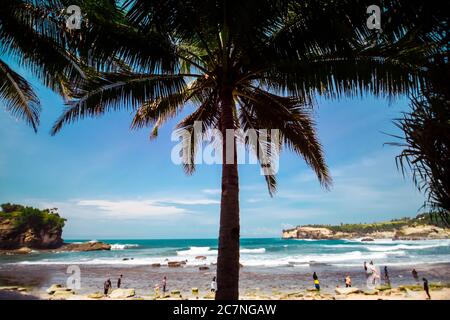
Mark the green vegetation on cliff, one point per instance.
(23, 217)
(395, 224)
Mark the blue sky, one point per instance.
(111, 182)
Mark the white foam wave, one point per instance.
(258, 250)
(403, 247)
(386, 246)
(120, 246)
(207, 251)
(197, 251)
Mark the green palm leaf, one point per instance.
(18, 96)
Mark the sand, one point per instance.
(255, 283)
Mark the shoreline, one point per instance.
(406, 292)
(273, 283)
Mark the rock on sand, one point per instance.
(346, 291)
(122, 293)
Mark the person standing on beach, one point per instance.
(426, 288)
(374, 273)
(316, 281)
(386, 276)
(119, 281)
(164, 284)
(106, 287)
(213, 285)
(348, 281)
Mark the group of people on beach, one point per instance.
(426, 287)
(371, 271)
(348, 281)
(107, 286)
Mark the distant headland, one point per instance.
(423, 227)
(23, 229)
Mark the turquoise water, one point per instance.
(254, 252)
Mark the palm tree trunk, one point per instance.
(228, 257)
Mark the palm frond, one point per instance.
(291, 117)
(208, 115)
(18, 96)
(113, 91)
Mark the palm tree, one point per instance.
(244, 64)
(426, 128)
(426, 151)
(31, 34)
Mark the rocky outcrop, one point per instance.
(29, 227)
(85, 246)
(122, 293)
(14, 237)
(59, 292)
(175, 264)
(346, 291)
(417, 232)
(24, 229)
(308, 233)
(421, 232)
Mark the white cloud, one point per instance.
(369, 189)
(133, 208)
(189, 201)
(254, 200)
(156, 207)
(212, 191)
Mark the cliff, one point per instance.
(420, 228)
(29, 227)
(25, 228)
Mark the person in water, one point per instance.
(426, 288)
(106, 287)
(119, 281)
(348, 281)
(164, 284)
(213, 285)
(316, 281)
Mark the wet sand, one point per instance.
(254, 281)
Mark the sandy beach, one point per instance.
(32, 281)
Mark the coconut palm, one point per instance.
(426, 128)
(32, 34)
(255, 64)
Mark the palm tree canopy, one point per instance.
(32, 34)
(270, 57)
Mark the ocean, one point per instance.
(269, 265)
(270, 252)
